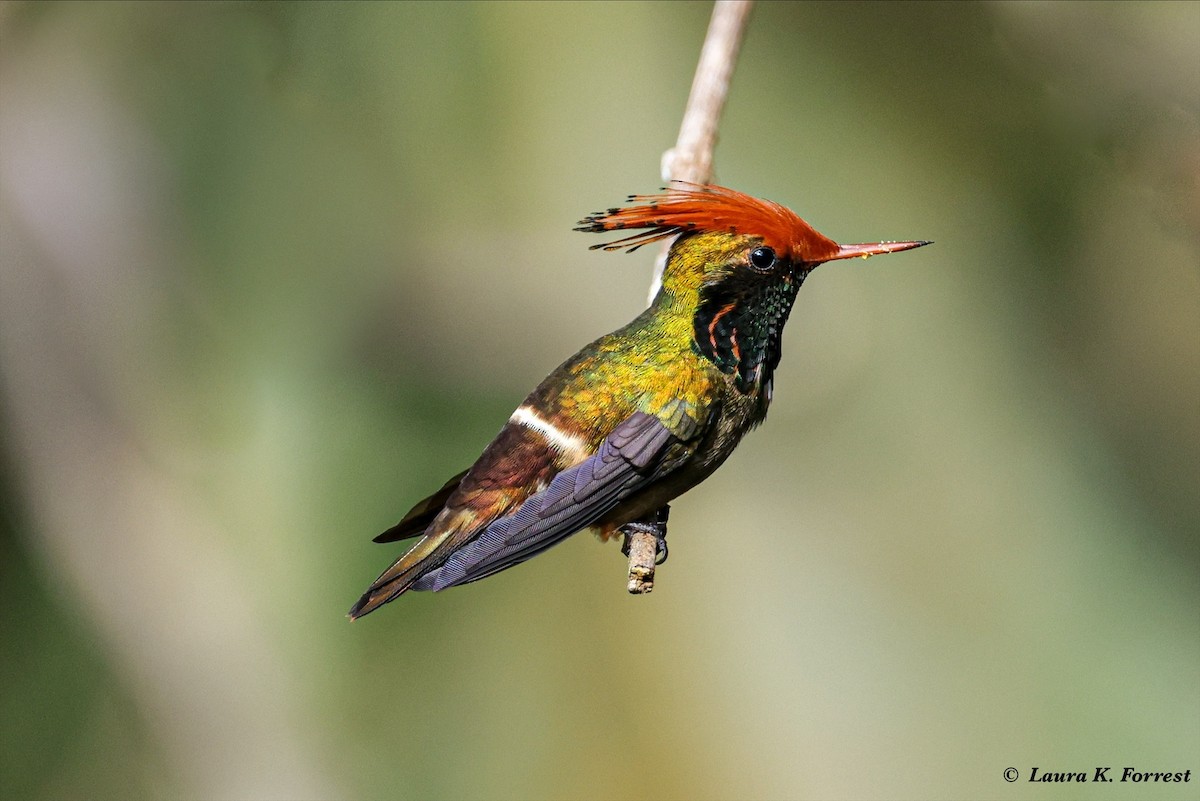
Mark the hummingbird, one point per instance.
(639, 416)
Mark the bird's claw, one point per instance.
(660, 543)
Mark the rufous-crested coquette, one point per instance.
(639, 416)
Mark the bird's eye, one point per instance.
(762, 259)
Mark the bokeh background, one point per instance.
(269, 273)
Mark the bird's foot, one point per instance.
(655, 526)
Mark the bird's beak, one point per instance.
(874, 249)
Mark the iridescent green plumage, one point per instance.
(639, 416)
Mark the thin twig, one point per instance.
(643, 551)
(691, 160)
(692, 157)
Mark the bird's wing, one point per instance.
(480, 533)
(421, 515)
(574, 499)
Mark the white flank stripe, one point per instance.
(562, 441)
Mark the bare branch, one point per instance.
(642, 554)
(691, 160)
(692, 157)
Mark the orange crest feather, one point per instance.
(685, 207)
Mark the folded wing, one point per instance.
(626, 461)
(575, 498)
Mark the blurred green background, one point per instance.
(269, 273)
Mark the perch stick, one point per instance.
(691, 160)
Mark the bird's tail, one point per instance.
(398, 578)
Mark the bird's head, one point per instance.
(734, 269)
(724, 234)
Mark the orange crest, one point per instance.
(685, 207)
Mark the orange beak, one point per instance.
(874, 249)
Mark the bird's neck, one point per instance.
(735, 325)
